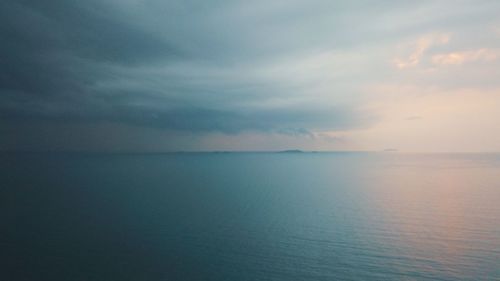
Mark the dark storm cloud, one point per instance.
(45, 45)
(92, 60)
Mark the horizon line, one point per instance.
(286, 151)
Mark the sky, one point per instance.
(153, 76)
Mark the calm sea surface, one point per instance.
(249, 216)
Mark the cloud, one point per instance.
(414, 117)
(224, 69)
(458, 58)
(420, 46)
(165, 65)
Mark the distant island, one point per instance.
(291, 151)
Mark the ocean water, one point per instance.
(250, 216)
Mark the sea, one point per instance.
(249, 216)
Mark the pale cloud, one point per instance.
(419, 48)
(451, 108)
(414, 117)
(458, 58)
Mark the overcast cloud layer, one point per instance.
(172, 75)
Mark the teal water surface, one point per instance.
(250, 216)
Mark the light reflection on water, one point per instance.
(444, 211)
(252, 216)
